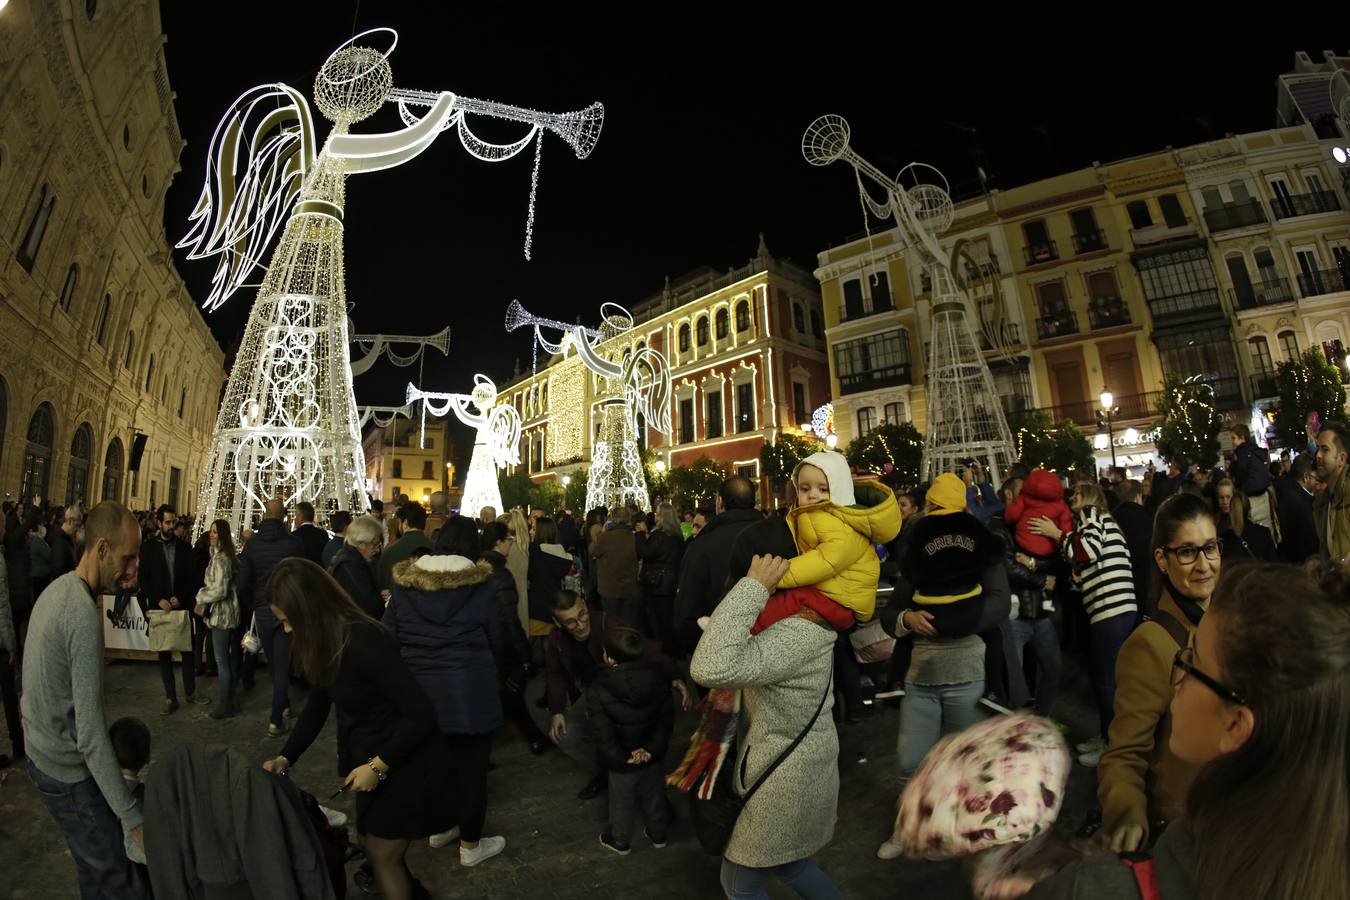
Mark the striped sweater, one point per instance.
(1101, 561)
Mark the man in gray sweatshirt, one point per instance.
(70, 757)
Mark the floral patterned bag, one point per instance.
(999, 782)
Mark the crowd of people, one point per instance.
(1208, 609)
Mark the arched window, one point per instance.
(182, 402)
(150, 373)
(701, 330)
(743, 315)
(131, 349)
(101, 328)
(816, 327)
(798, 317)
(37, 227)
(1288, 344)
(112, 471)
(68, 289)
(722, 323)
(684, 338)
(81, 454)
(37, 456)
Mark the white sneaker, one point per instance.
(1091, 759)
(437, 841)
(487, 848)
(335, 818)
(888, 850)
(1095, 745)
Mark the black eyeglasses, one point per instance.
(1185, 662)
(1189, 553)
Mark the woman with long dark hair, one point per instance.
(549, 565)
(1141, 784)
(219, 609)
(1260, 707)
(1243, 539)
(389, 750)
(513, 659)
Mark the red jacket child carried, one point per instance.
(1041, 495)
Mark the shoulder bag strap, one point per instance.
(1175, 630)
(829, 685)
(1145, 874)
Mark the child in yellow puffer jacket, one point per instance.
(834, 534)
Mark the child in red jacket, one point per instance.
(1041, 495)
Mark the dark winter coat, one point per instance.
(1298, 531)
(629, 706)
(516, 652)
(660, 553)
(357, 577)
(1137, 526)
(703, 570)
(17, 562)
(270, 544)
(1251, 468)
(156, 584)
(545, 575)
(1255, 544)
(615, 555)
(448, 627)
(312, 539)
(63, 553)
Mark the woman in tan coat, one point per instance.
(1141, 784)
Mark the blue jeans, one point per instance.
(803, 876)
(1104, 641)
(220, 645)
(1040, 634)
(94, 836)
(276, 643)
(929, 712)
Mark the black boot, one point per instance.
(593, 787)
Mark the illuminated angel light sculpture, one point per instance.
(637, 384)
(288, 426)
(496, 442)
(965, 418)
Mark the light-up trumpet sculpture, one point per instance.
(965, 418)
(288, 426)
(637, 384)
(496, 440)
(373, 345)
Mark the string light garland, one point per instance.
(288, 426)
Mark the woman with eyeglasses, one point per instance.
(1260, 701)
(1141, 783)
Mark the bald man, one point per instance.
(71, 758)
(269, 545)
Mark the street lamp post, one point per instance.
(1109, 410)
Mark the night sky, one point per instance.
(700, 149)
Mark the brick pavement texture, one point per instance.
(552, 848)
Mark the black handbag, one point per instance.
(715, 818)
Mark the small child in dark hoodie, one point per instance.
(631, 713)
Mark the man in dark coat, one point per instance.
(168, 582)
(19, 521)
(62, 541)
(703, 571)
(269, 545)
(1294, 498)
(1137, 526)
(313, 539)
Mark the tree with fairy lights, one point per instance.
(1308, 384)
(1059, 447)
(777, 460)
(891, 451)
(696, 484)
(1189, 432)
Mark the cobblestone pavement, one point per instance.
(552, 847)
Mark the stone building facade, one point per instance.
(102, 348)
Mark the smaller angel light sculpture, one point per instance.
(495, 444)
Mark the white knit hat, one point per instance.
(837, 474)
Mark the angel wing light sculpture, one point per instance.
(495, 443)
(288, 426)
(637, 394)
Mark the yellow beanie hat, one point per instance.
(947, 495)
